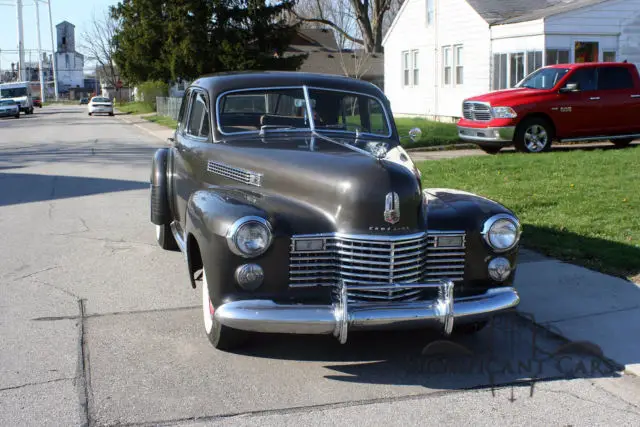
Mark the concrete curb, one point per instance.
(442, 148)
(144, 128)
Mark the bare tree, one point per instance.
(358, 21)
(98, 44)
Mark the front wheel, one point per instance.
(534, 135)
(165, 238)
(622, 142)
(17, 116)
(221, 337)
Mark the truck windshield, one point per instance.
(14, 92)
(544, 78)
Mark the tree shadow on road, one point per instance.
(18, 188)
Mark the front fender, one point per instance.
(212, 211)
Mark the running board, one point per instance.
(602, 138)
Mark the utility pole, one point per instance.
(40, 53)
(53, 56)
(21, 69)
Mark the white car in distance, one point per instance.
(100, 105)
(9, 108)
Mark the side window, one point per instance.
(613, 78)
(585, 77)
(198, 124)
(183, 109)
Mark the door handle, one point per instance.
(594, 98)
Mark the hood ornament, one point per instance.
(392, 208)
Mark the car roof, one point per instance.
(218, 83)
(591, 64)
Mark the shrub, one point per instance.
(149, 90)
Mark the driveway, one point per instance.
(101, 327)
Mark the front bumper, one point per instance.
(267, 316)
(490, 134)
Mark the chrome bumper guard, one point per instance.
(267, 316)
(492, 134)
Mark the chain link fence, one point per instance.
(168, 106)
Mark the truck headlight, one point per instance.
(501, 232)
(249, 237)
(503, 113)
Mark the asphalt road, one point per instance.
(99, 326)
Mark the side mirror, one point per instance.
(570, 87)
(415, 134)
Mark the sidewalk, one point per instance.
(582, 305)
(574, 302)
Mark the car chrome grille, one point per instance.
(377, 261)
(476, 111)
(237, 174)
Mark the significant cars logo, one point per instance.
(392, 208)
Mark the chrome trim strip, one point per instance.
(506, 134)
(235, 173)
(267, 316)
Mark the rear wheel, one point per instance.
(622, 142)
(17, 116)
(89, 113)
(534, 135)
(221, 337)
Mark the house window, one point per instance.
(586, 52)
(446, 53)
(416, 68)
(410, 68)
(405, 68)
(557, 56)
(534, 61)
(609, 56)
(500, 71)
(430, 12)
(516, 65)
(459, 65)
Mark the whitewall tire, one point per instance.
(220, 336)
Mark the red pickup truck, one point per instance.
(567, 102)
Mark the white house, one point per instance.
(439, 52)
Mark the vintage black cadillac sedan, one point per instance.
(299, 212)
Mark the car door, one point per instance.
(616, 89)
(192, 141)
(576, 113)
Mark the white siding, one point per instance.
(457, 23)
(615, 24)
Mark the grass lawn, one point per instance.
(135, 107)
(433, 133)
(163, 120)
(581, 206)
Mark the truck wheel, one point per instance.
(221, 337)
(622, 142)
(165, 238)
(534, 135)
(17, 116)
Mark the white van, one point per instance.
(20, 92)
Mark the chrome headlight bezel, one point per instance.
(237, 227)
(502, 112)
(490, 223)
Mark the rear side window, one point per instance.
(585, 78)
(612, 78)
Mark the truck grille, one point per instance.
(476, 111)
(376, 261)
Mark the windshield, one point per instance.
(13, 92)
(286, 110)
(544, 78)
(100, 100)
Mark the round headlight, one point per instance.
(501, 232)
(249, 236)
(499, 269)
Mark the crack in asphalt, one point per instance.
(37, 383)
(85, 393)
(115, 313)
(75, 235)
(34, 273)
(593, 402)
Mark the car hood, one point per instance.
(347, 188)
(508, 97)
